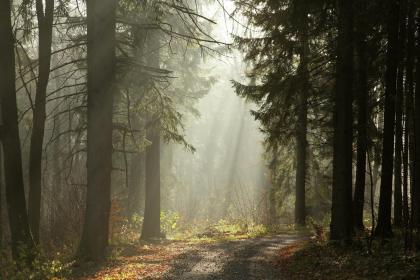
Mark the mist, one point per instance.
(216, 139)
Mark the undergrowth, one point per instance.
(325, 260)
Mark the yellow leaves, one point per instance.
(140, 262)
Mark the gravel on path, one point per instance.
(232, 260)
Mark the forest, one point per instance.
(209, 139)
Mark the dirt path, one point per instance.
(233, 260)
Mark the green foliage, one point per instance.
(169, 221)
(291, 61)
(41, 268)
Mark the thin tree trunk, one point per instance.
(15, 194)
(151, 224)
(45, 23)
(411, 162)
(302, 122)
(416, 174)
(384, 228)
(101, 18)
(399, 117)
(408, 101)
(341, 212)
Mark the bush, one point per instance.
(39, 269)
(169, 221)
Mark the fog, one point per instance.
(225, 177)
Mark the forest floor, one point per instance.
(221, 258)
(290, 255)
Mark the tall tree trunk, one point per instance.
(302, 122)
(416, 173)
(384, 228)
(45, 23)
(151, 224)
(15, 194)
(408, 102)
(399, 117)
(362, 98)
(136, 180)
(101, 20)
(341, 212)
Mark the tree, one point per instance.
(408, 158)
(290, 71)
(151, 224)
(416, 171)
(101, 57)
(399, 116)
(45, 23)
(362, 97)
(302, 121)
(15, 194)
(341, 211)
(384, 228)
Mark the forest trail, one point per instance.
(253, 258)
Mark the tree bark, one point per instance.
(151, 223)
(399, 117)
(408, 102)
(416, 161)
(45, 23)
(341, 211)
(384, 228)
(101, 20)
(302, 122)
(136, 182)
(362, 98)
(15, 194)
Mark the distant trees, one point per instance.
(284, 66)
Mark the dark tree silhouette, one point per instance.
(45, 17)
(384, 228)
(341, 212)
(399, 116)
(15, 194)
(362, 99)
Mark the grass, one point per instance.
(224, 231)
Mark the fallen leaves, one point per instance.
(312, 260)
(138, 262)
